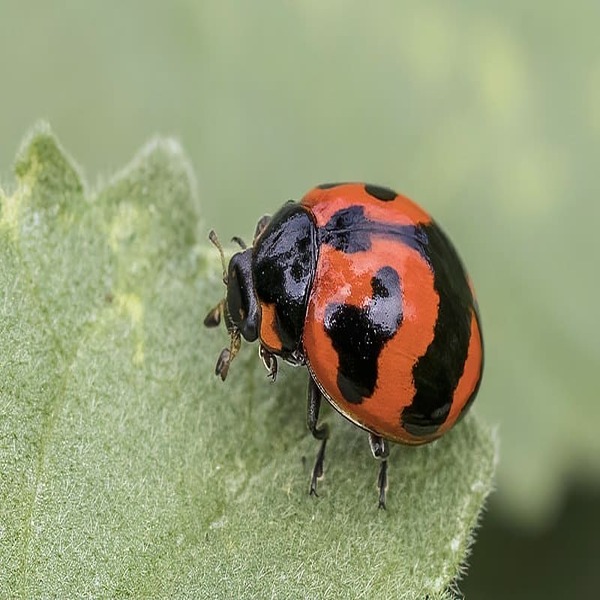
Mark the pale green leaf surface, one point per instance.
(128, 469)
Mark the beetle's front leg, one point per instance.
(269, 360)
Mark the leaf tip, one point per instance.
(159, 180)
(165, 154)
(41, 157)
(169, 152)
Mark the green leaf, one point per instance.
(128, 469)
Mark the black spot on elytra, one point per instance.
(328, 186)
(358, 334)
(380, 193)
(349, 230)
(437, 373)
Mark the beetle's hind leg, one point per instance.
(381, 450)
(319, 433)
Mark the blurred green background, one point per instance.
(487, 113)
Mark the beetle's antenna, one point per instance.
(212, 236)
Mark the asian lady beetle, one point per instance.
(360, 285)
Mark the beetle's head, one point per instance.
(239, 309)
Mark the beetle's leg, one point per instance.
(269, 360)
(260, 226)
(381, 450)
(239, 241)
(319, 433)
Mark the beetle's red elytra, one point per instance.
(361, 286)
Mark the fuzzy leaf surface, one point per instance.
(128, 470)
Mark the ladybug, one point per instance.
(361, 286)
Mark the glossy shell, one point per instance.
(391, 334)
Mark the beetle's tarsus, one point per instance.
(382, 484)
